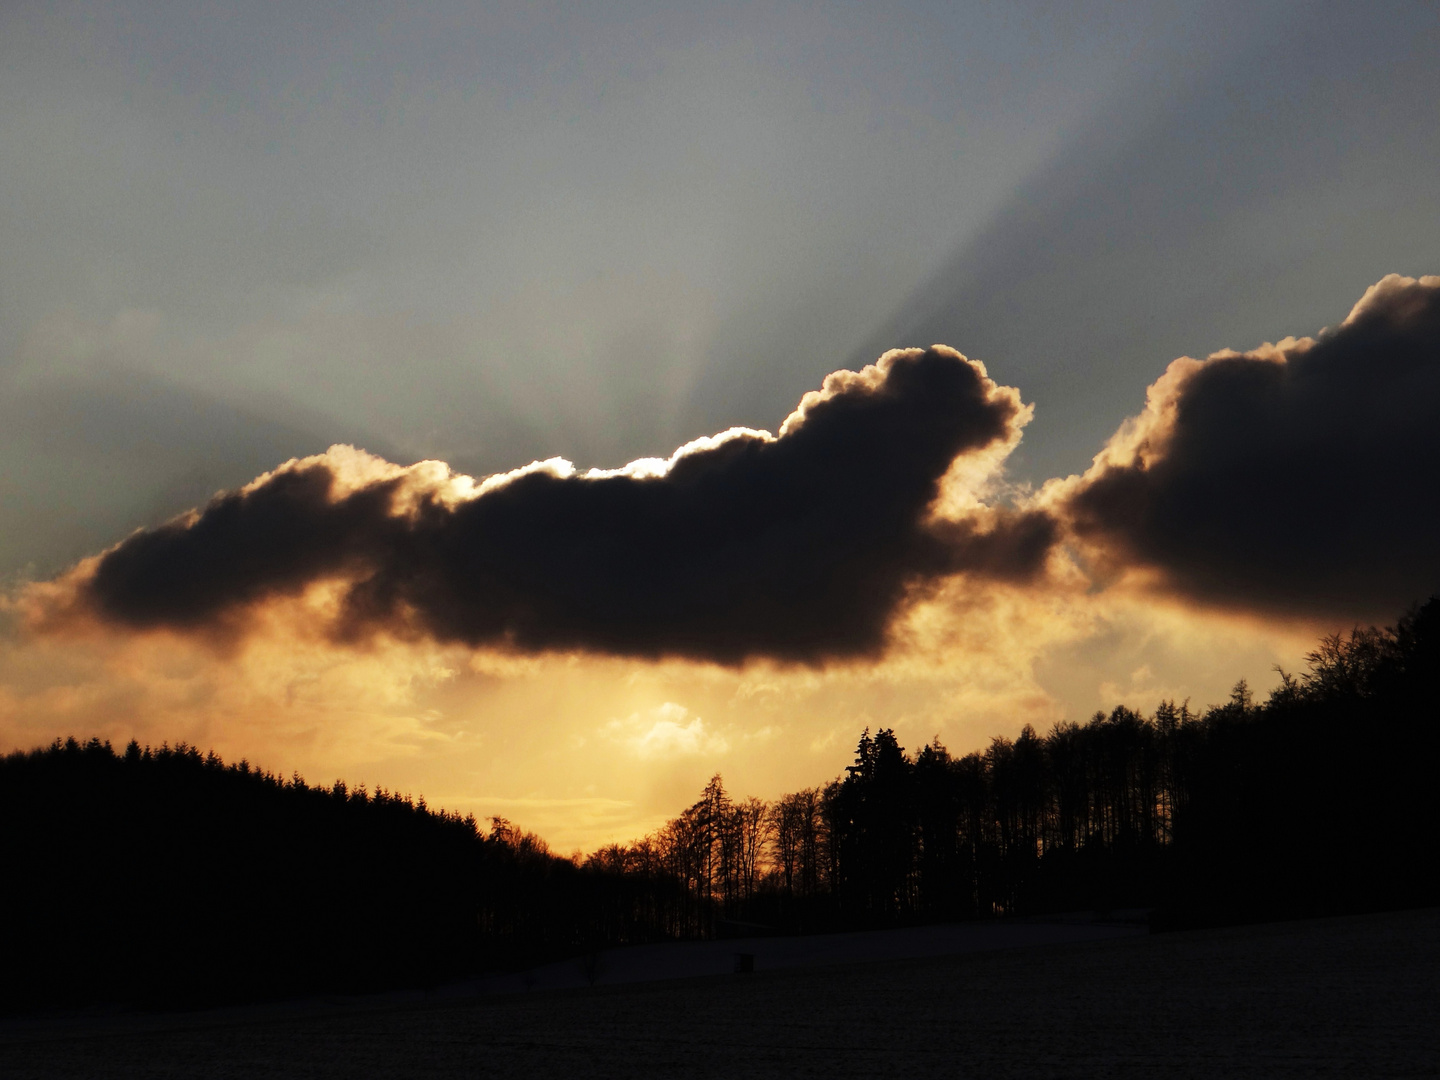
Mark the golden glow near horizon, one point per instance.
(587, 750)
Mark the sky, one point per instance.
(237, 235)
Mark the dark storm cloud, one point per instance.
(1296, 478)
(799, 547)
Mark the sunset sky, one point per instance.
(346, 262)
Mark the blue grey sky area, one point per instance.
(237, 232)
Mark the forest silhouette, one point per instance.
(164, 877)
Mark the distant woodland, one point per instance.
(170, 878)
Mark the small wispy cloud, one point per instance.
(667, 731)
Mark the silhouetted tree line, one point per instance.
(1321, 800)
(168, 877)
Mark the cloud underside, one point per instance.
(798, 547)
(1291, 479)
(1294, 478)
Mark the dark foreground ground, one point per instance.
(1353, 997)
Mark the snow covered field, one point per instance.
(679, 960)
(1351, 997)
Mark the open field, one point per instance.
(1344, 997)
(679, 960)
